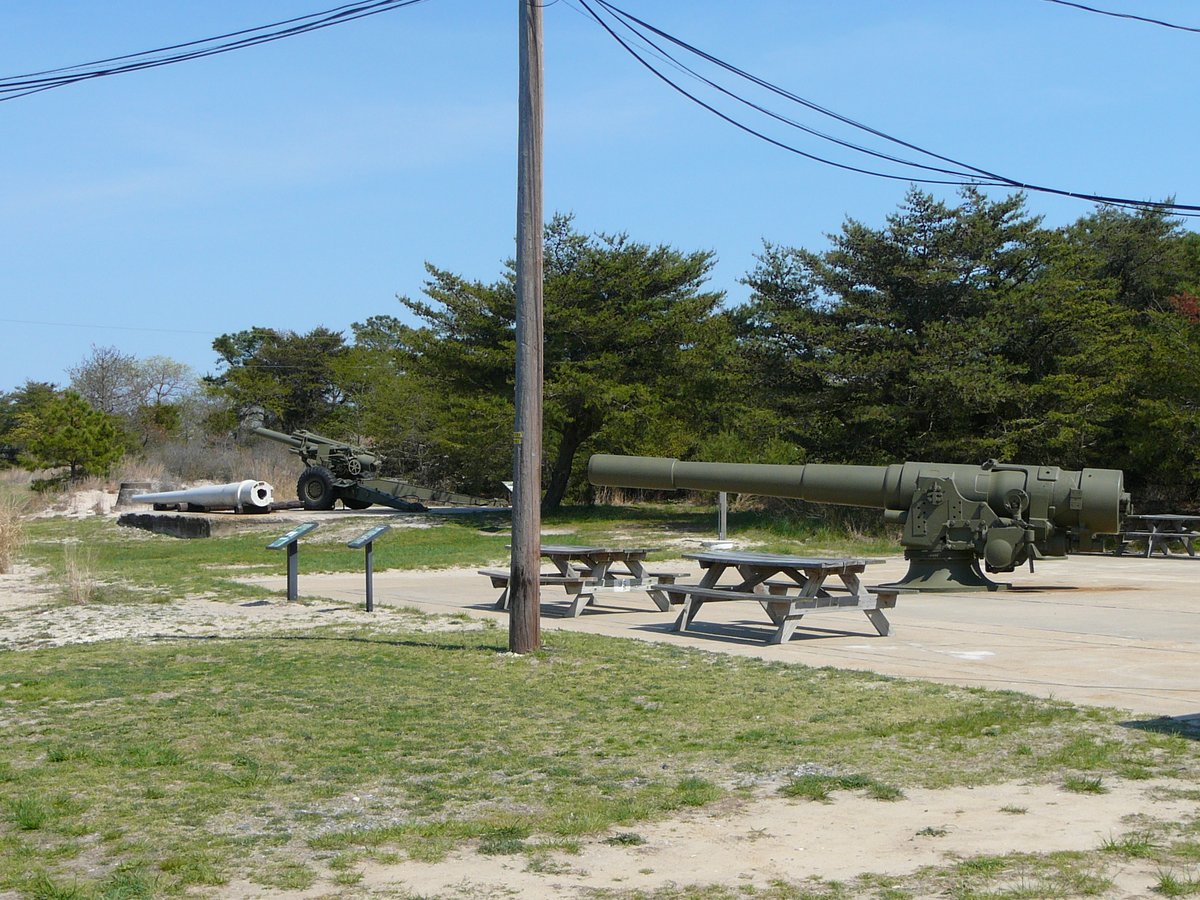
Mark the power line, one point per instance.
(1117, 15)
(752, 131)
(966, 174)
(16, 86)
(970, 176)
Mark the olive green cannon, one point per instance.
(952, 515)
(336, 470)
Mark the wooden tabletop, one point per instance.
(763, 560)
(574, 550)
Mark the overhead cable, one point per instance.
(16, 86)
(965, 179)
(1131, 16)
(962, 173)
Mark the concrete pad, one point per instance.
(1098, 630)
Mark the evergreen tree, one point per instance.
(65, 430)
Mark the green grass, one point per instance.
(821, 787)
(1171, 884)
(177, 765)
(1082, 784)
(169, 767)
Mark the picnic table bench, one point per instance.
(1159, 532)
(583, 571)
(786, 601)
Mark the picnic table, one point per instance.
(583, 570)
(803, 589)
(1160, 532)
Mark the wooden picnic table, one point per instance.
(1160, 532)
(584, 570)
(802, 590)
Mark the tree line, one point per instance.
(955, 331)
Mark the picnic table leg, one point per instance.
(691, 606)
(854, 584)
(502, 603)
(787, 627)
(660, 599)
(879, 620)
(776, 610)
(580, 600)
(638, 572)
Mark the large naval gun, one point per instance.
(953, 515)
(335, 470)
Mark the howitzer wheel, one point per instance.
(315, 488)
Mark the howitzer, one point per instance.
(335, 470)
(952, 515)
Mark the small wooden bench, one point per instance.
(663, 577)
(581, 590)
(786, 610)
(624, 580)
(1157, 539)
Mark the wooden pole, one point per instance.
(524, 625)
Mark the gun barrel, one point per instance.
(871, 486)
(278, 436)
(1092, 499)
(235, 495)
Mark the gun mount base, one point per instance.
(949, 571)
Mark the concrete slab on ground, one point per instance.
(1098, 630)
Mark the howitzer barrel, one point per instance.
(1089, 501)
(278, 436)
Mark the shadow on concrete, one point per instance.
(1185, 726)
(1039, 589)
(554, 609)
(751, 632)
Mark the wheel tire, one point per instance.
(351, 503)
(315, 488)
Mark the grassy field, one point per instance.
(170, 767)
(126, 564)
(290, 758)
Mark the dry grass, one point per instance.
(79, 580)
(135, 469)
(13, 506)
(189, 463)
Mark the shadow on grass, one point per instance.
(344, 638)
(1187, 726)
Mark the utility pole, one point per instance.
(524, 590)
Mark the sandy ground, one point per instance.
(1093, 630)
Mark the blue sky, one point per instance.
(306, 182)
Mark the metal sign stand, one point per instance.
(291, 540)
(365, 541)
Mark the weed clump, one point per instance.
(12, 530)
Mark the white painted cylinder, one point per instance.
(248, 494)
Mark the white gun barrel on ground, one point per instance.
(242, 496)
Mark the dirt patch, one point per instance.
(755, 841)
(31, 617)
